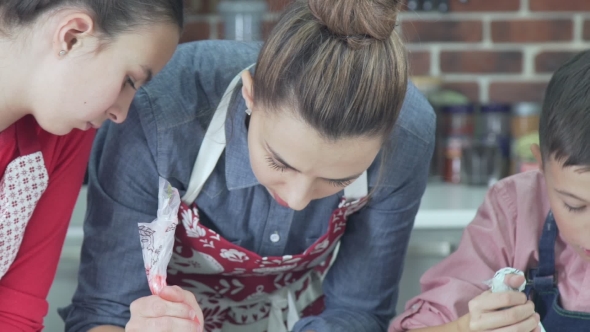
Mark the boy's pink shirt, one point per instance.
(504, 233)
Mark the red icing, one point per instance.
(157, 284)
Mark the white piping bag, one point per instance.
(157, 237)
(497, 284)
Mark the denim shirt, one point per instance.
(162, 136)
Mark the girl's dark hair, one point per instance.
(339, 64)
(112, 16)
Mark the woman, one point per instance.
(313, 151)
(66, 66)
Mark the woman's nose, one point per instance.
(299, 193)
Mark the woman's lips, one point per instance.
(280, 200)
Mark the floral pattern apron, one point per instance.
(21, 187)
(238, 290)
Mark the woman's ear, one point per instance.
(248, 89)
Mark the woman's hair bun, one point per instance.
(357, 19)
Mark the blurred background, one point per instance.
(483, 65)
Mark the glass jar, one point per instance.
(457, 129)
(494, 129)
(242, 19)
(525, 132)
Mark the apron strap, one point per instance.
(212, 146)
(283, 299)
(543, 277)
(547, 247)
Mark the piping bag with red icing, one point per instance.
(157, 237)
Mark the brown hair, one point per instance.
(339, 63)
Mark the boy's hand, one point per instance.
(499, 312)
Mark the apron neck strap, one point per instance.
(547, 247)
(212, 146)
(543, 278)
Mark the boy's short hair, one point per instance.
(564, 128)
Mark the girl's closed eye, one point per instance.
(130, 82)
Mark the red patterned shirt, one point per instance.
(24, 287)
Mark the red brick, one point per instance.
(419, 62)
(548, 62)
(512, 92)
(196, 31)
(587, 30)
(442, 31)
(468, 89)
(559, 5)
(484, 6)
(278, 5)
(481, 62)
(522, 31)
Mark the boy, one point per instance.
(537, 222)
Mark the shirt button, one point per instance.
(275, 237)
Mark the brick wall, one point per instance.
(202, 21)
(490, 50)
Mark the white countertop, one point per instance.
(444, 206)
(449, 206)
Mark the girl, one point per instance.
(66, 66)
(279, 165)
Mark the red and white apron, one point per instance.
(237, 289)
(21, 187)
